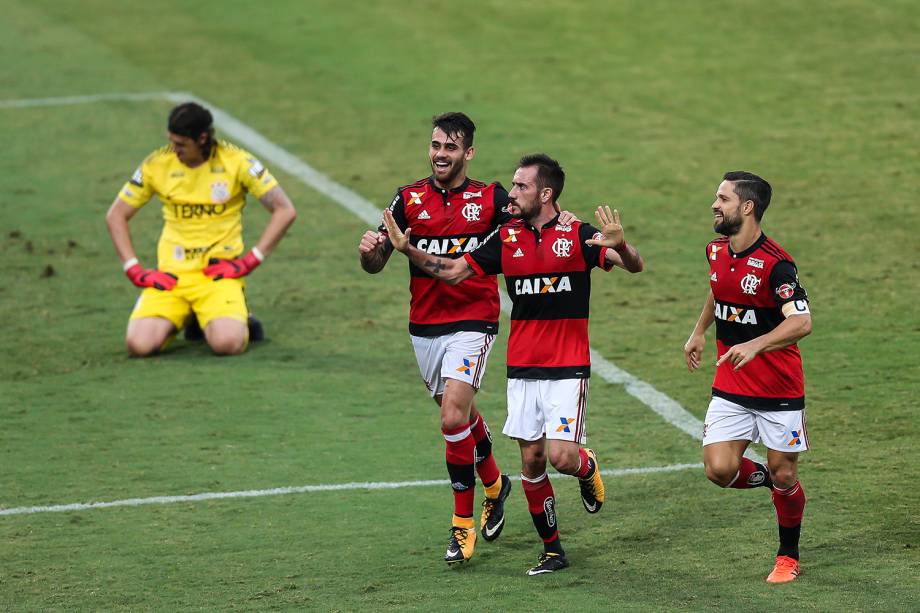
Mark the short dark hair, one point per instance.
(549, 172)
(749, 186)
(454, 125)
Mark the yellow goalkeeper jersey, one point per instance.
(202, 206)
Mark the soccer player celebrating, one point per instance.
(453, 328)
(202, 183)
(547, 265)
(761, 311)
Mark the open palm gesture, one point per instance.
(610, 227)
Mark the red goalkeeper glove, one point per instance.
(144, 277)
(232, 269)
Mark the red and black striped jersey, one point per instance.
(450, 223)
(548, 276)
(754, 291)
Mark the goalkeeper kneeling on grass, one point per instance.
(198, 282)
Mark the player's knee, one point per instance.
(783, 476)
(451, 420)
(534, 464)
(453, 414)
(564, 460)
(721, 473)
(228, 346)
(139, 347)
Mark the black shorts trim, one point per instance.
(552, 373)
(472, 325)
(762, 403)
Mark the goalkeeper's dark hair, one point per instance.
(456, 125)
(192, 120)
(549, 172)
(749, 186)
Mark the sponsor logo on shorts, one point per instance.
(566, 421)
(467, 366)
(796, 441)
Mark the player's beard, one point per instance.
(521, 210)
(729, 226)
(452, 172)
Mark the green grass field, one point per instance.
(646, 104)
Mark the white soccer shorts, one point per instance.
(557, 409)
(460, 355)
(778, 430)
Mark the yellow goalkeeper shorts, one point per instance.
(194, 293)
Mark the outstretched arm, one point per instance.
(448, 270)
(619, 252)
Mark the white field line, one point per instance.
(282, 491)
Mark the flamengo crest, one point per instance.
(750, 283)
(562, 247)
(471, 211)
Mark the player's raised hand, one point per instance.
(398, 238)
(611, 230)
(146, 277)
(232, 269)
(693, 351)
(371, 241)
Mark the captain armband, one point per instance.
(795, 307)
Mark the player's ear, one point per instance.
(748, 207)
(469, 153)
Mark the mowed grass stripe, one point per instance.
(303, 489)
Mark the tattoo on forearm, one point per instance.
(436, 266)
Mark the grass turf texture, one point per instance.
(645, 104)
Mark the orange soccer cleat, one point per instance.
(786, 570)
